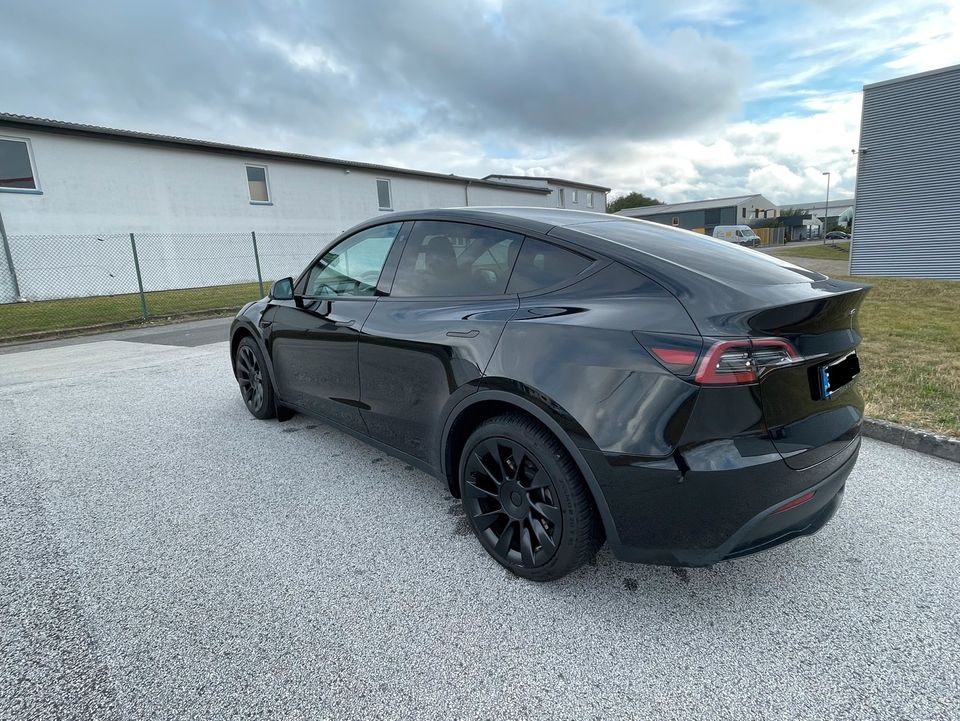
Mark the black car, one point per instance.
(575, 377)
(837, 235)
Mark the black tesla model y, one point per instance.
(575, 377)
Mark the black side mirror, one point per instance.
(282, 289)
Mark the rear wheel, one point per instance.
(526, 500)
(251, 373)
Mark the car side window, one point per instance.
(541, 264)
(443, 259)
(353, 267)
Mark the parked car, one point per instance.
(837, 235)
(573, 377)
(739, 234)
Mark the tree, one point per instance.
(631, 200)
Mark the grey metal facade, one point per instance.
(907, 214)
(690, 219)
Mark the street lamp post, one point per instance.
(826, 208)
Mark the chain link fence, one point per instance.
(63, 282)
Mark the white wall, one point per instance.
(191, 213)
(599, 198)
(94, 185)
(756, 203)
(553, 200)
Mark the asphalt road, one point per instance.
(163, 555)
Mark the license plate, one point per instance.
(836, 376)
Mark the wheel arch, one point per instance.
(244, 329)
(239, 333)
(484, 404)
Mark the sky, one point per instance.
(677, 99)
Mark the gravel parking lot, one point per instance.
(164, 555)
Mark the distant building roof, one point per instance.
(556, 181)
(691, 205)
(27, 121)
(817, 206)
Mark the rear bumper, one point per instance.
(704, 517)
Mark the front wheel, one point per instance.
(251, 373)
(525, 499)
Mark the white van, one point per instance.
(739, 234)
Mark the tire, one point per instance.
(514, 474)
(254, 379)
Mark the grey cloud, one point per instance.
(533, 73)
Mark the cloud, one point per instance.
(363, 71)
(678, 100)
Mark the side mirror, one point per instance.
(282, 289)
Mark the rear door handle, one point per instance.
(266, 323)
(344, 323)
(463, 333)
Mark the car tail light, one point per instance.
(734, 362)
(677, 353)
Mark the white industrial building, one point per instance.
(565, 193)
(59, 177)
(98, 185)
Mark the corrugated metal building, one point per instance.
(908, 181)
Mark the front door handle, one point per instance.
(344, 323)
(463, 333)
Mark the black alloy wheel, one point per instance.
(525, 499)
(252, 377)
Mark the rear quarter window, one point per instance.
(542, 264)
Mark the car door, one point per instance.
(313, 339)
(426, 343)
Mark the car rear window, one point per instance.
(718, 259)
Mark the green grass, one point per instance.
(911, 352)
(18, 319)
(840, 251)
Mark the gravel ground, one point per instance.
(163, 555)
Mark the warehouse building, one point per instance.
(60, 177)
(565, 193)
(704, 215)
(77, 202)
(907, 220)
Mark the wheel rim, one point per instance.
(512, 502)
(250, 378)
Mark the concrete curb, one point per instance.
(933, 444)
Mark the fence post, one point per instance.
(256, 256)
(12, 270)
(136, 264)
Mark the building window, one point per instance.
(589, 200)
(743, 212)
(573, 196)
(257, 183)
(384, 197)
(16, 165)
(676, 220)
(559, 197)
